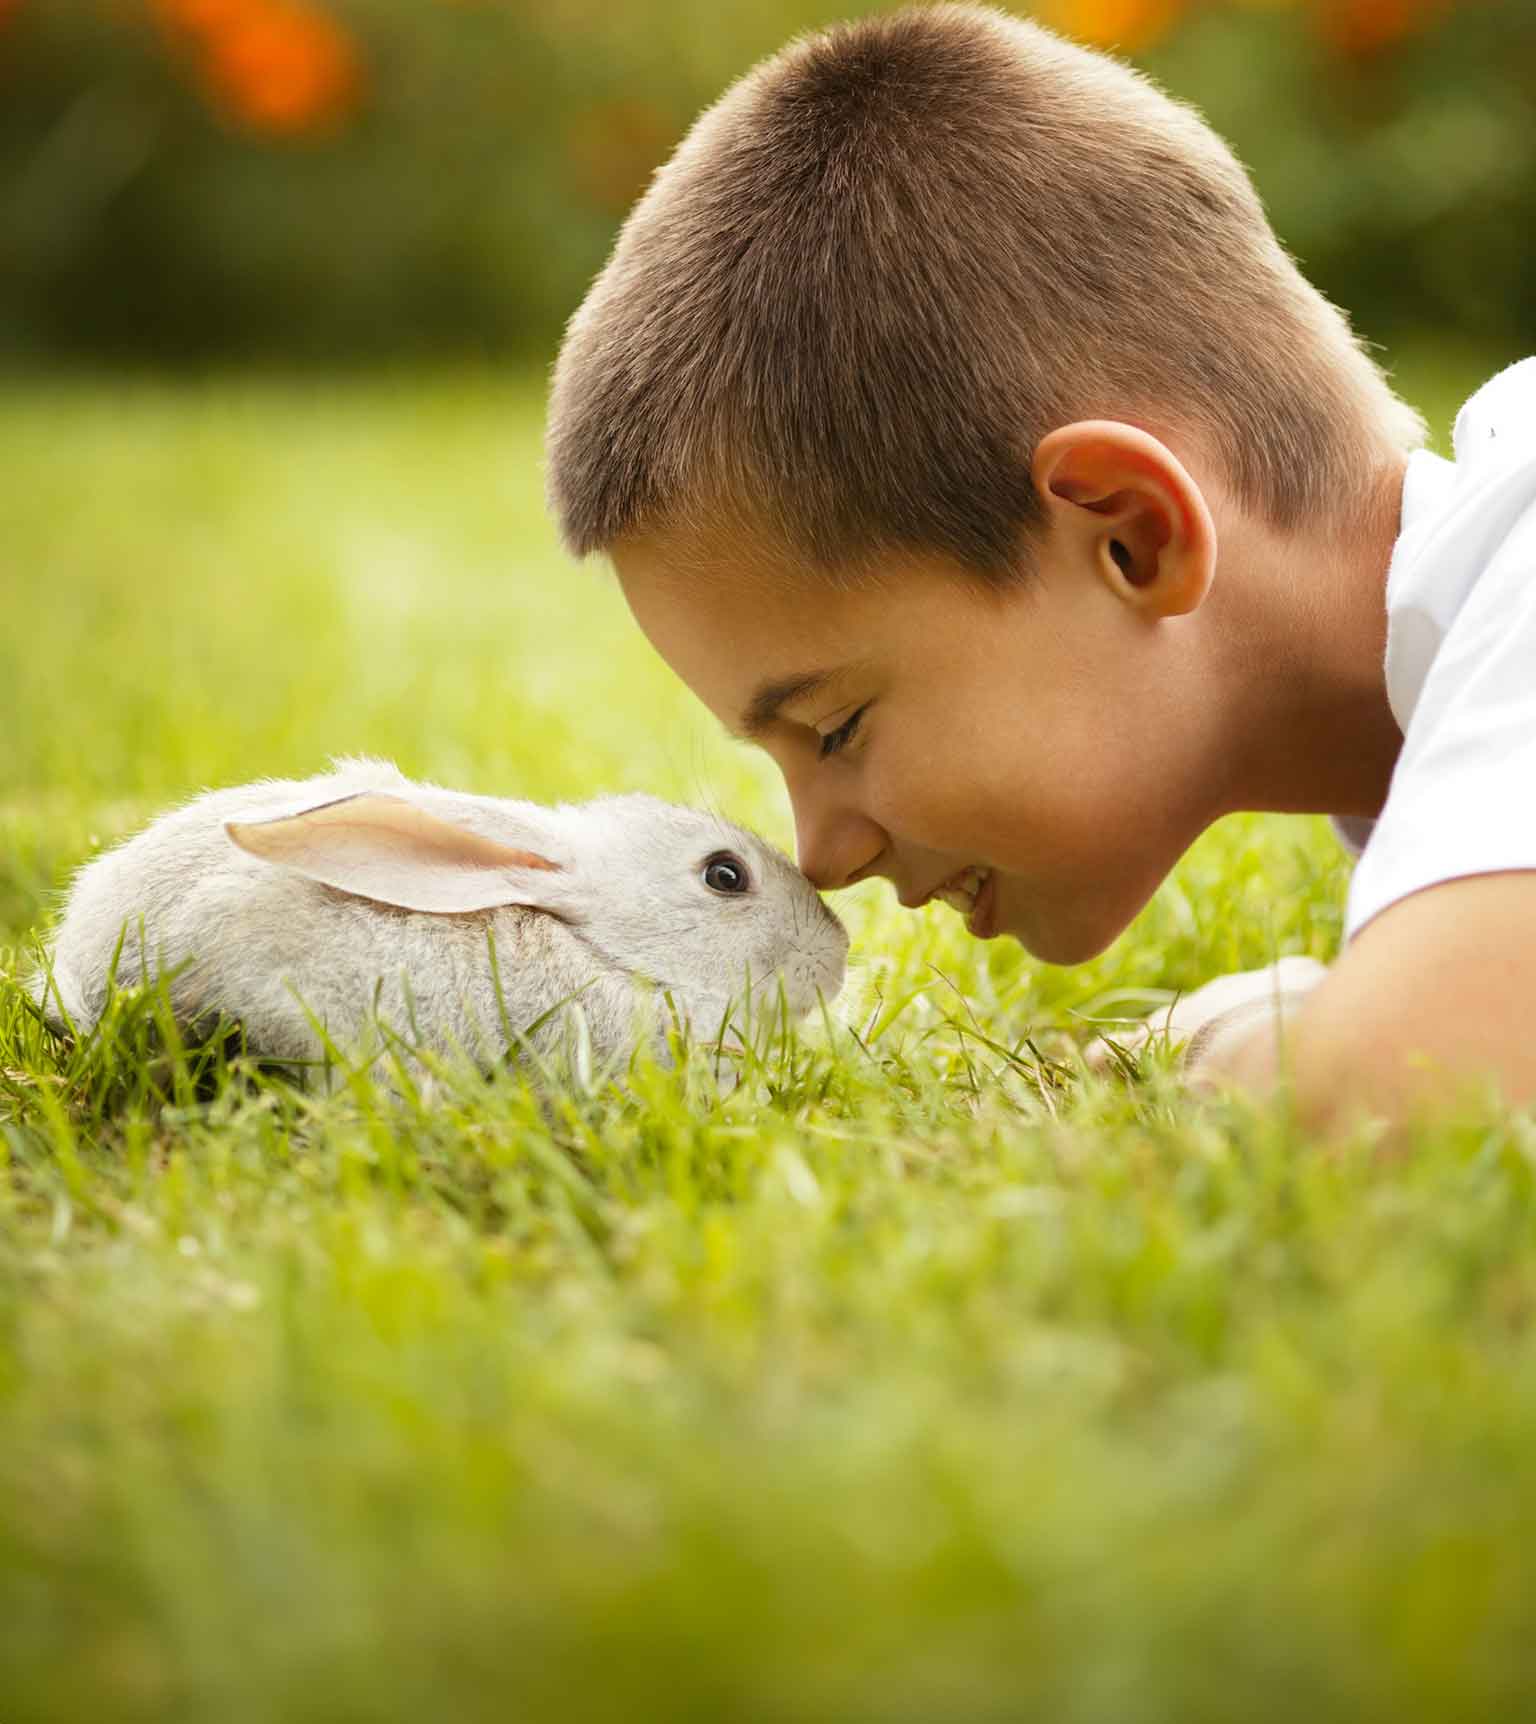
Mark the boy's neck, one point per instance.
(1306, 622)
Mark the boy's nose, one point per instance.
(835, 847)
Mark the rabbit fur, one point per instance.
(359, 897)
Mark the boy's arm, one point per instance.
(1437, 992)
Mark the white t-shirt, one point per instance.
(1461, 660)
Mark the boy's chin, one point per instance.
(1052, 948)
(1065, 938)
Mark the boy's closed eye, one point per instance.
(836, 740)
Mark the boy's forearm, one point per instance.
(1436, 999)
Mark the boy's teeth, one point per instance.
(962, 892)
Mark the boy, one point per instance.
(960, 432)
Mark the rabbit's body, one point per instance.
(359, 898)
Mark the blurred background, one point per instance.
(349, 181)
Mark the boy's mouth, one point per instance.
(971, 892)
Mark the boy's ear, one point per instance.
(386, 849)
(1132, 505)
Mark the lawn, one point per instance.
(918, 1378)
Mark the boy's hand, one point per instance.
(1225, 1016)
(1432, 999)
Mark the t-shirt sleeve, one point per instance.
(1463, 797)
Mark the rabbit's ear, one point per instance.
(386, 849)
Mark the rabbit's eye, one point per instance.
(726, 873)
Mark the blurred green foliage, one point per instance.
(190, 179)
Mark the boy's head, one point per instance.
(903, 339)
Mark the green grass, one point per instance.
(916, 1379)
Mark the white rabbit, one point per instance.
(358, 897)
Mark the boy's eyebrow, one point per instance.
(770, 697)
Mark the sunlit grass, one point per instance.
(914, 1376)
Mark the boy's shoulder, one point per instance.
(1461, 644)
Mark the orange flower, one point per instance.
(284, 68)
(277, 66)
(1127, 24)
(1362, 27)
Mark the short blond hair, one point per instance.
(894, 256)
